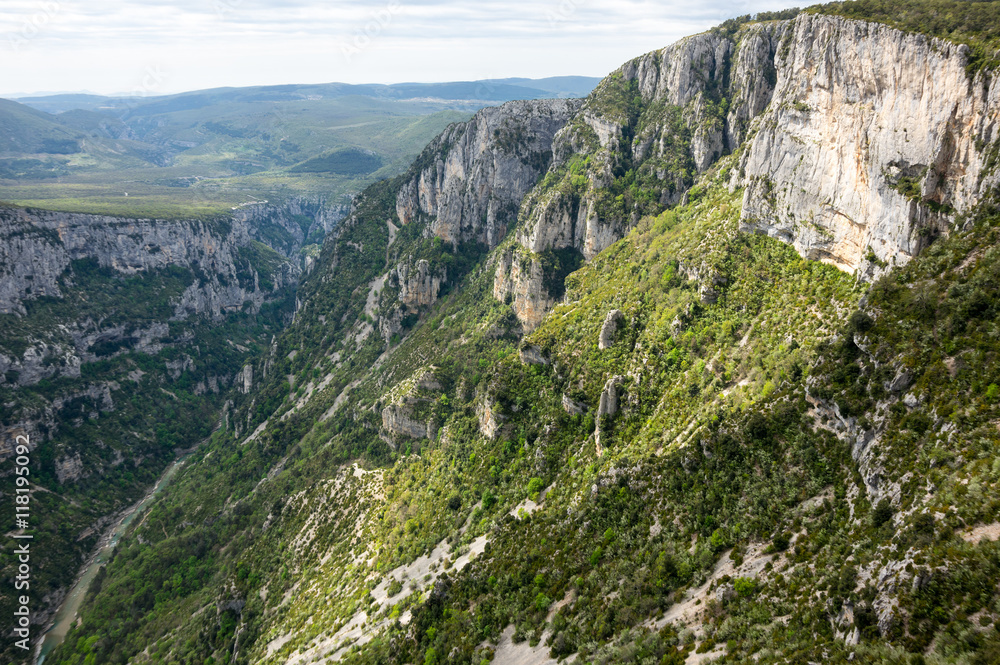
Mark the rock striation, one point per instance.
(38, 248)
(873, 140)
(470, 180)
(859, 143)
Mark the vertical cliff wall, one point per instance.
(873, 141)
(857, 143)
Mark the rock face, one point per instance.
(519, 279)
(466, 188)
(610, 327)
(244, 380)
(69, 468)
(398, 419)
(532, 355)
(608, 406)
(476, 173)
(573, 407)
(490, 422)
(872, 139)
(37, 248)
(419, 284)
(860, 144)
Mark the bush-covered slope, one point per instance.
(699, 442)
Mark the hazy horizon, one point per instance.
(156, 47)
(127, 93)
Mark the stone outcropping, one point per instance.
(873, 139)
(532, 355)
(490, 422)
(609, 329)
(607, 406)
(398, 420)
(519, 280)
(860, 143)
(475, 174)
(419, 283)
(572, 406)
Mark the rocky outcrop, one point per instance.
(47, 254)
(38, 248)
(69, 468)
(475, 174)
(465, 188)
(532, 355)
(572, 406)
(39, 421)
(873, 138)
(609, 329)
(519, 280)
(39, 361)
(398, 419)
(490, 422)
(753, 77)
(419, 283)
(244, 380)
(607, 407)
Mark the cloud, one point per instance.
(106, 46)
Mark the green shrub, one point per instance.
(882, 514)
(535, 486)
(745, 586)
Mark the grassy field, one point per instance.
(205, 161)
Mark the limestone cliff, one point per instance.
(476, 173)
(37, 248)
(874, 138)
(858, 144)
(44, 253)
(464, 190)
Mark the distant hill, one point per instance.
(25, 130)
(226, 144)
(487, 91)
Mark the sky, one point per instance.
(147, 47)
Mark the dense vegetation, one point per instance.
(801, 466)
(148, 384)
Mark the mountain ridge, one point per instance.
(616, 426)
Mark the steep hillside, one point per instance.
(701, 367)
(120, 340)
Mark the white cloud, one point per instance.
(109, 46)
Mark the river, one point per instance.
(66, 614)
